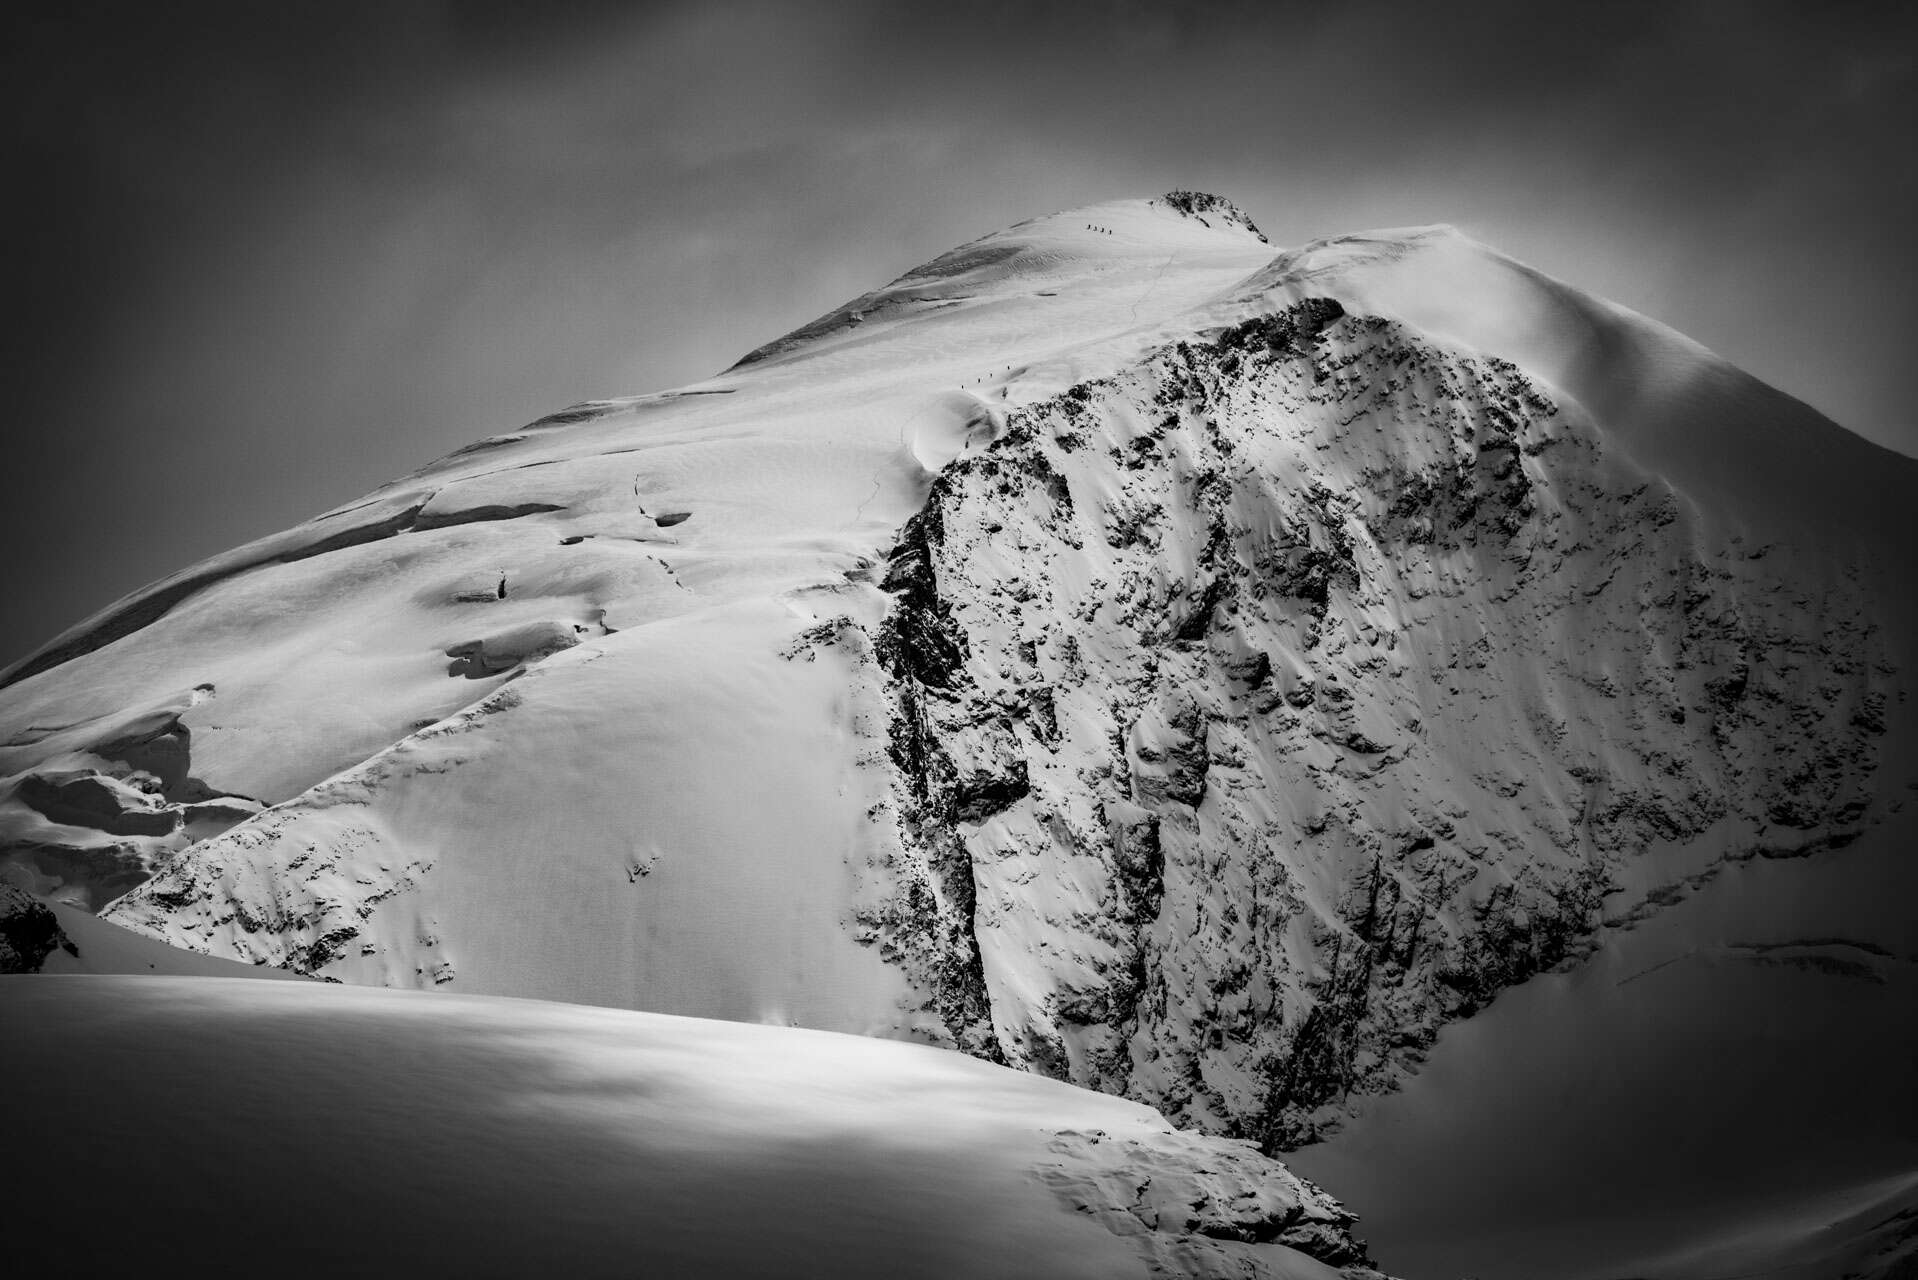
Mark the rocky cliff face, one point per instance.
(1262, 707)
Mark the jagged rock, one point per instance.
(1199, 204)
(29, 931)
(1388, 588)
(1180, 1193)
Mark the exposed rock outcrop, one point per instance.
(1201, 205)
(1269, 704)
(1186, 1200)
(29, 932)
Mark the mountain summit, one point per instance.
(1118, 648)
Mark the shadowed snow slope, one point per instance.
(364, 1132)
(1118, 648)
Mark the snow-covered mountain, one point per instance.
(1118, 648)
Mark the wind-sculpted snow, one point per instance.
(379, 1132)
(317, 538)
(108, 799)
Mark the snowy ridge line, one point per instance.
(149, 604)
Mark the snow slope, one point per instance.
(1723, 1090)
(342, 648)
(377, 1133)
(1118, 648)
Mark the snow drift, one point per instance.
(375, 1132)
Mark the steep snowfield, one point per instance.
(1123, 650)
(368, 1132)
(1724, 1090)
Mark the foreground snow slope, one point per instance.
(1118, 648)
(377, 1133)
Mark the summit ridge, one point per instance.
(1117, 648)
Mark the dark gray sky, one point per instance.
(263, 257)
